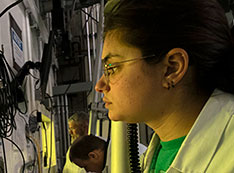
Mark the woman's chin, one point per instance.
(115, 117)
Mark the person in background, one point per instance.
(170, 64)
(93, 154)
(89, 152)
(78, 126)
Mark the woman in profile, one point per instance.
(170, 64)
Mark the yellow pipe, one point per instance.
(119, 148)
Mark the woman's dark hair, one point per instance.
(82, 146)
(198, 26)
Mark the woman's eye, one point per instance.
(112, 70)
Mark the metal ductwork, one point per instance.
(68, 4)
(46, 6)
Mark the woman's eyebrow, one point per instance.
(107, 57)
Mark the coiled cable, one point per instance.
(8, 99)
(132, 133)
(9, 88)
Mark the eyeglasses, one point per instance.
(109, 69)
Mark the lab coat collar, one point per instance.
(146, 158)
(201, 143)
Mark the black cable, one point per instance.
(89, 15)
(35, 150)
(8, 99)
(25, 104)
(33, 111)
(86, 21)
(132, 134)
(9, 89)
(9, 7)
(88, 92)
(19, 151)
(67, 88)
(4, 154)
(36, 83)
(46, 152)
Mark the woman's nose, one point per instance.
(102, 85)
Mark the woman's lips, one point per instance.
(107, 102)
(107, 105)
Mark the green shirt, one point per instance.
(165, 154)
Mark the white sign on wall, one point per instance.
(17, 44)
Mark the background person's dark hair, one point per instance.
(200, 27)
(84, 145)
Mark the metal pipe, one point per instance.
(98, 128)
(98, 65)
(97, 11)
(64, 148)
(88, 44)
(66, 122)
(119, 148)
(93, 34)
(59, 145)
(92, 122)
(30, 89)
(97, 71)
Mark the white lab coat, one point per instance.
(70, 167)
(209, 146)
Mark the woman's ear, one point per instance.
(175, 66)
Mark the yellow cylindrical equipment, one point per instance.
(119, 148)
